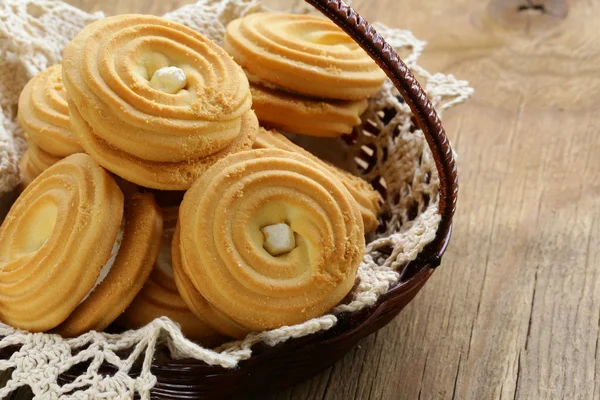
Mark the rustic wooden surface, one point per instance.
(514, 310)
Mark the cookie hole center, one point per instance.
(532, 7)
(39, 224)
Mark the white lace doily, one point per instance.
(32, 36)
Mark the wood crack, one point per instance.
(537, 269)
(528, 336)
(598, 318)
(533, 7)
(362, 366)
(485, 271)
(456, 377)
(423, 375)
(596, 355)
(518, 376)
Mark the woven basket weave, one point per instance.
(401, 148)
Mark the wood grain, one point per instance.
(514, 310)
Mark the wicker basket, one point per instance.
(274, 368)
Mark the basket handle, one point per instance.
(427, 119)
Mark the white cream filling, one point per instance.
(111, 261)
(169, 80)
(279, 239)
(163, 262)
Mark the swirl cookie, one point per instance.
(368, 199)
(154, 101)
(268, 238)
(70, 258)
(44, 115)
(303, 54)
(160, 297)
(305, 115)
(28, 174)
(33, 162)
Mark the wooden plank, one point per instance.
(513, 312)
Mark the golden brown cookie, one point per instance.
(159, 297)
(54, 242)
(71, 259)
(368, 199)
(121, 279)
(33, 162)
(268, 238)
(305, 115)
(154, 101)
(44, 114)
(27, 172)
(303, 54)
(40, 160)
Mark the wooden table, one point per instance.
(513, 312)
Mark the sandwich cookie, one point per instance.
(123, 276)
(154, 101)
(33, 162)
(70, 258)
(268, 238)
(44, 114)
(302, 54)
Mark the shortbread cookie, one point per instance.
(39, 159)
(69, 257)
(154, 94)
(27, 172)
(33, 162)
(303, 54)
(44, 114)
(269, 238)
(54, 242)
(305, 115)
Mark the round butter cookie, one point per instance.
(69, 257)
(153, 100)
(123, 276)
(44, 114)
(27, 172)
(269, 239)
(303, 54)
(33, 162)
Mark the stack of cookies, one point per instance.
(155, 102)
(266, 234)
(307, 76)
